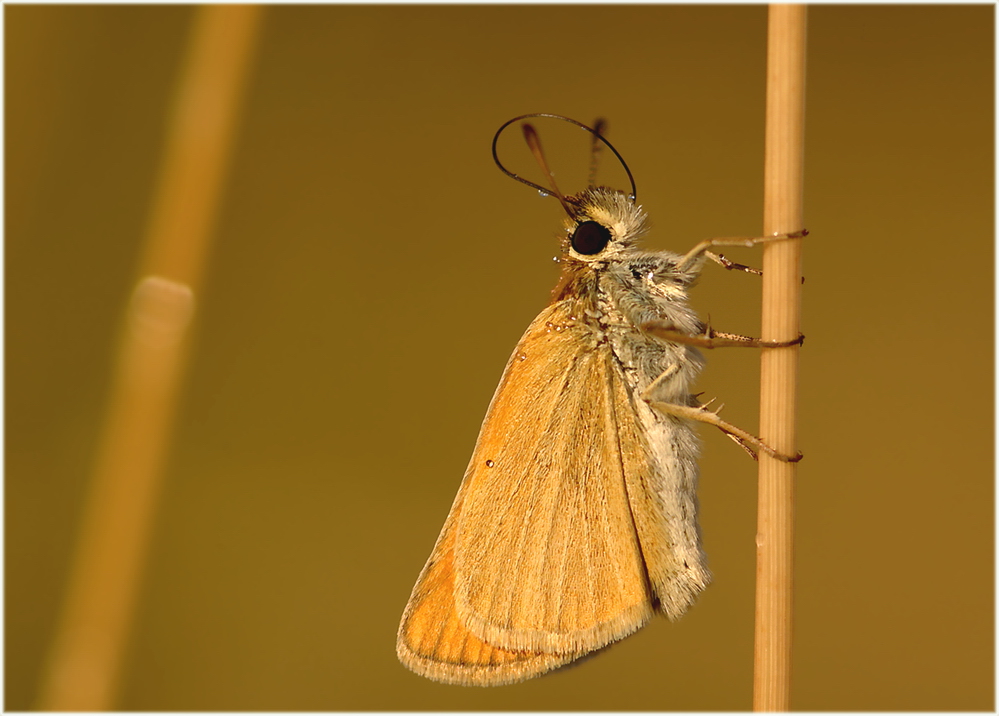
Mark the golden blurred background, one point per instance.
(369, 272)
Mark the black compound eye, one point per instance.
(590, 238)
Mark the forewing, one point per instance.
(546, 556)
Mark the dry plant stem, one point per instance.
(85, 662)
(783, 213)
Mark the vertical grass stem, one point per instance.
(783, 213)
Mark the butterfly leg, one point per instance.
(702, 249)
(727, 263)
(703, 415)
(714, 339)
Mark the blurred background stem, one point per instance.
(86, 658)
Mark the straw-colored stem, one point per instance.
(85, 664)
(783, 213)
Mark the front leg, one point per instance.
(726, 263)
(731, 265)
(702, 248)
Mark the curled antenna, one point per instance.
(594, 132)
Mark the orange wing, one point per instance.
(546, 553)
(539, 561)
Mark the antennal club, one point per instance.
(599, 129)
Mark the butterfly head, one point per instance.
(602, 223)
